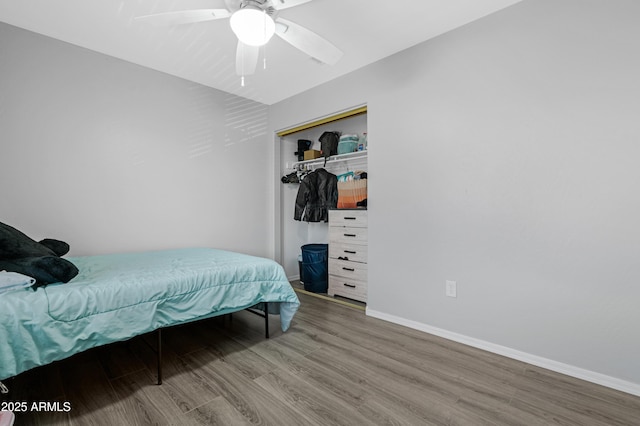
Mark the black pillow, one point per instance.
(44, 269)
(16, 245)
(39, 260)
(60, 248)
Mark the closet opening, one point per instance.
(304, 172)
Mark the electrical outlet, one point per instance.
(451, 289)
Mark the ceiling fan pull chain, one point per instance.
(264, 47)
(264, 57)
(242, 66)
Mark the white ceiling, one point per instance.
(365, 30)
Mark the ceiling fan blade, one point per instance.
(285, 4)
(246, 59)
(184, 17)
(307, 41)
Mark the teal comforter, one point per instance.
(118, 296)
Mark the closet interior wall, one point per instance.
(294, 233)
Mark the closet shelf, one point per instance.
(332, 159)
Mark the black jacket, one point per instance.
(318, 192)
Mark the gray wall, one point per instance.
(504, 156)
(110, 156)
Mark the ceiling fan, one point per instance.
(254, 22)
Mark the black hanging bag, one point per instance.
(329, 143)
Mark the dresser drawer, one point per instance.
(352, 270)
(346, 287)
(355, 218)
(352, 252)
(347, 235)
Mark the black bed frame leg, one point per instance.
(266, 320)
(264, 312)
(159, 354)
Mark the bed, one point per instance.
(118, 296)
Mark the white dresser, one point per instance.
(348, 254)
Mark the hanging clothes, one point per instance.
(318, 192)
(290, 178)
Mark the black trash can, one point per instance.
(314, 267)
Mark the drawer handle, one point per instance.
(349, 235)
(348, 269)
(349, 218)
(349, 285)
(350, 252)
(343, 258)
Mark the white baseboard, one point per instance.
(569, 370)
(294, 278)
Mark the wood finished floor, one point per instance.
(334, 366)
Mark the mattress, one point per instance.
(118, 296)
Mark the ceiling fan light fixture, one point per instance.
(253, 26)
